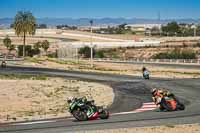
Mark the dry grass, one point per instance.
(115, 68)
(29, 40)
(38, 99)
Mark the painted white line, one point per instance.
(150, 103)
(123, 113)
(145, 109)
(35, 122)
(149, 106)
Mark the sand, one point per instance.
(23, 100)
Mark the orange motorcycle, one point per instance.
(168, 103)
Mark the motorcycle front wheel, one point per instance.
(80, 115)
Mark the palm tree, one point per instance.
(24, 24)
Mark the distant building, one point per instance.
(142, 27)
(87, 28)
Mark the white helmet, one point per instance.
(153, 90)
(70, 99)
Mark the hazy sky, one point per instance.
(103, 8)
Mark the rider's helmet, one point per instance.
(84, 99)
(153, 91)
(144, 69)
(70, 99)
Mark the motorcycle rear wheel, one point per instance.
(104, 114)
(165, 105)
(180, 106)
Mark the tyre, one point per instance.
(104, 114)
(146, 77)
(180, 106)
(3, 66)
(166, 105)
(80, 115)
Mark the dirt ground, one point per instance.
(23, 100)
(162, 129)
(115, 68)
(148, 53)
(156, 71)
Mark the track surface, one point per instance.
(130, 92)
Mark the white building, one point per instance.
(142, 27)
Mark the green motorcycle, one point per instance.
(87, 110)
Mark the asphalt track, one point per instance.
(130, 93)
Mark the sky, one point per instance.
(169, 9)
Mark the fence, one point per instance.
(172, 61)
(67, 51)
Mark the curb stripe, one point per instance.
(145, 107)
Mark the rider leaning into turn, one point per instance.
(158, 94)
(83, 100)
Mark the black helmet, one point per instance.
(144, 69)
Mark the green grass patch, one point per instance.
(64, 62)
(55, 60)
(34, 60)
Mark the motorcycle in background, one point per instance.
(146, 73)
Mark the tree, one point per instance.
(7, 41)
(85, 51)
(37, 45)
(45, 45)
(99, 54)
(28, 49)
(8, 44)
(36, 48)
(11, 26)
(171, 28)
(24, 24)
(122, 26)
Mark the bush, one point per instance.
(85, 52)
(28, 49)
(176, 54)
(52, 55)
(99, 54)
(115, 55)
(198, 44)
(45, 45)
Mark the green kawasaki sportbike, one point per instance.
(84, 110)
